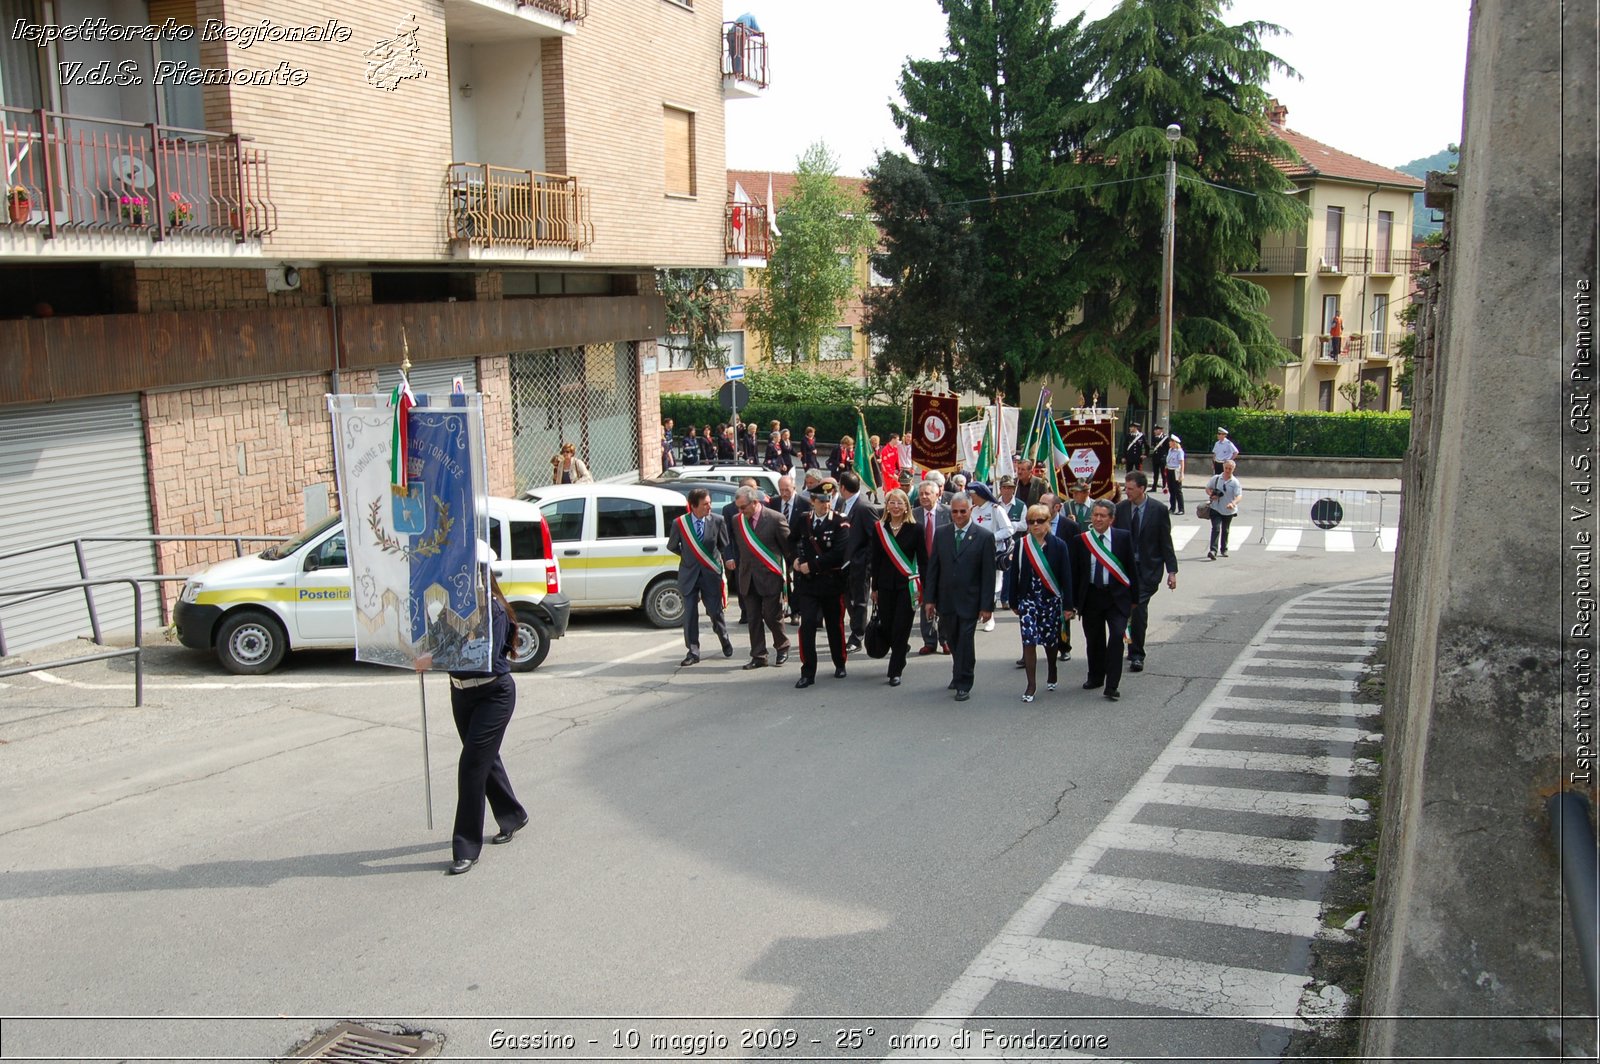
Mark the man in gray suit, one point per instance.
(930, 515)
(700, 540)
(960, 588)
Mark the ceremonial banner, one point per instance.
(413, 497)
(1089, 454)
(935, 440)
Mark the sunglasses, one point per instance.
(1038, 520)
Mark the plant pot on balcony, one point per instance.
(20, 209)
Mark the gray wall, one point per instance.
(1469, 919)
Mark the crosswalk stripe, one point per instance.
(1285, 539)
(1354, 651)
(1309, 683)
(1217, 990)
(1364, 596)
(1324, 732)
(1257, 761)
(1181, 901)
(1340, 540)
(1388, 539)
(1335, 609)
(1288, 705)
(1332, 622)
(1181, 536)
(1250, 800)
(1352, 667)
(1238, 534)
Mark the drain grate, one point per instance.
(352, 1042)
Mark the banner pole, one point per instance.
(427, 774)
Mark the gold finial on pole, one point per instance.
(405, 353)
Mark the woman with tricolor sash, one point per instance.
(1041, 595)
(899, 557)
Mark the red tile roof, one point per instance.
(1322, 160)
(755, 183)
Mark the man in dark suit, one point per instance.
(762, 537)
(700, 540)
(730, 513)
(930, 515)
(1102, 590)
(1149, 524)
(960, 588)
(818, 547)
(859, 516)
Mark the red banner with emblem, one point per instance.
(1089, 454)
(935, 431)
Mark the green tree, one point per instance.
(973, 239)
(699, 304)
(811, 273)
(1157, 62)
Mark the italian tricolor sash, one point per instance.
(1041, 565)
(761, 551)
(686, 528)
(1102, 550)
(903, 563)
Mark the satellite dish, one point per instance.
(131, 172)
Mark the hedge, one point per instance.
(1312, 433)
(831, 422)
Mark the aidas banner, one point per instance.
(412, 488)
(935, 435)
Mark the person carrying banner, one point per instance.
(899, 558)
(762, 538)
(1102, 589)
(700, 540)
(960, 589)
(1040, 595)
(819, 546)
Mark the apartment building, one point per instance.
(220, 210)
(753, 198)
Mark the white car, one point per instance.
(765, 478)
(296, 595)
(611, 540)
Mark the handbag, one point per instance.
(1203, 511)
(875, 638)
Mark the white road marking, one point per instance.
(1285, 539)
(1182, 535)
(1308, 683)
(1355, 651)
(1339, 541)
(647, 652)
(1226, 846)
(1272, 803)
(1285, 705)
(1331, 622)
(1256, 761)
(1320, 732)
(1341, 610)
(1355, 668)
(1180, 901)
(1238, 534)
(220, 685)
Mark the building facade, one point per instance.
(221, 210)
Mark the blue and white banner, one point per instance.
(417, 585)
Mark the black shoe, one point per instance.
(804, 681)
(1136, 665)
(754, 663)
(1211, 555)
(506, 836)
(1021, 664)
(458, 867)
(853, 647)
(838, 674)
(894, 681)
(690, 658)
(1065, 655)
(1090, 685)
(727, 649)
(962, 696)
(1224, 554)
(951, 686)
(783, 656)
(1113, 695)
(741, 620)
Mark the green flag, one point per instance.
(863, 459)
(1051, 451)
(983, 472)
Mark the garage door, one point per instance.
(434, 378)
(67, 470)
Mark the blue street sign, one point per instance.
(734, 373)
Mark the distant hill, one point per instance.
(1422, 220)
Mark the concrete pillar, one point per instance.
(1469, 920)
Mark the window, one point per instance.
(674, 350)
(565, 518)
(733, 343)
(527, 541)
(1330, 310)
(678, 150)
(328, 555)
(182, 104)
(1385, 241)
(876, 279)
(1325, 395)
(838, 345)
(1334, 243)
(625, 519)
(1380, 324)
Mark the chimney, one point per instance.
(1277, 114)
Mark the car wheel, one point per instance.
(533, 641)
(663, 604)
(251, 643)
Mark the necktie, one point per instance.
(930, 533)
(1138, 521)
(960, 535)
(699, 528)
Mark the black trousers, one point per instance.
(1104, 621)
(764, 613)
(1139, 618)
(1174, 491)
(962, 635)
(857, 595)
(707, 589)
(825, 610)
(482, 714)
(1219, 530)
(896, 614)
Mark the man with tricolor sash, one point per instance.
(1102, 589)
(761, 536)
(700, 540)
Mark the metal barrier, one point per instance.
(136, 651)
(83, 568)
(1348, 509)
(1573, 833)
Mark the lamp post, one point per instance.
(1164, 365)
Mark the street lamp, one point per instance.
(1164, 366)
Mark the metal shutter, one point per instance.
(436, 378)
(66, 470)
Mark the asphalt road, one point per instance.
(706, 842)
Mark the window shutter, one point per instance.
(678, 145)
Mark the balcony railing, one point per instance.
(746, 231)
(1334, 260)
(566, 10)
(72, 173)
(1394, 262)
(1294, 346)
(744, 60)
(1278, 260)
(498, 207)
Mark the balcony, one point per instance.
(1294, 348)
(1277, 260)
(1336, 260)
(746, 234)
(1379, 347)
(499, 20)
(145, 184)
(498, 212)
(744, 61)
(1393, 263)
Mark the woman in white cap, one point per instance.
(1174, 473)
(992, 515)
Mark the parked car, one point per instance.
(721, 491)
(296, 595)
(765, 478)
(611, 540)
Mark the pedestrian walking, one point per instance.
(988, 513)
(808, 449)
(818, 545)
(899, 558)
(960, 586)
(762, 537)
(1102, 590)
(1224, 491)
(567, 468)
(930, 515)
(859, 515)
(1149, 526)
(1041, 595)
(700, 540)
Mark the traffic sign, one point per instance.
(733, 373)
(733, 396)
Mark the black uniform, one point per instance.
(897, 606)
(482, 712)
(821, 542)
(862, 516)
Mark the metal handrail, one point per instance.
(1268, 523)
(136, 652)
(1573, 833)
(83, 567)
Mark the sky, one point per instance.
(1380, 79)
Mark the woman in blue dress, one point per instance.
(1041, 593)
